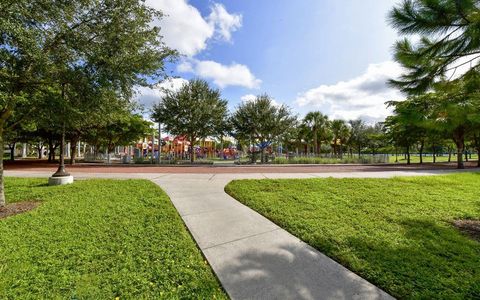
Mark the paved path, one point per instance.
(253, 257)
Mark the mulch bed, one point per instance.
(470, 227)
(17, 208)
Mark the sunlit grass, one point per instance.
(99, 239)
(397, 232)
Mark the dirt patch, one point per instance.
(470, 227)
(17, 208)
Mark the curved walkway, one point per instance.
(252, 257)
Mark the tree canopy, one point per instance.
(449, 37)
(195, 111)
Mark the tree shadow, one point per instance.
(290, 270)
(435, 261)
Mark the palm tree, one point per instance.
(448, 32)
(341, 133)
(316, 122)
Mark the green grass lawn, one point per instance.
(325, 160)
(397, 233)
(99, 239)
(428, 159)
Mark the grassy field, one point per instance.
(324, 160)
(397, 233)
(99, 239)
(427, 159)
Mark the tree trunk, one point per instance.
(478, 159)
(434, 154)
(408, 155)
(459, 139)
(421, 152)
(2, 150)
(12, 151)
(73, 148)
(449, 154)
(40, 150)
(460, 145)
(192, 154)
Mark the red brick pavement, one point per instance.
(37, 165)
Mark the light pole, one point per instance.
(61, 176)
(159, 142)
(153, 146)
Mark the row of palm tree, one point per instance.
(315, 130)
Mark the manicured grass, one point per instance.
(428, 159)
(325, 160)
(99, 239)
(397, 233)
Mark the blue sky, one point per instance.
(333, 56)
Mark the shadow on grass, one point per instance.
(434, 262)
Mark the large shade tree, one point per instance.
(195, 111)
(50, 45)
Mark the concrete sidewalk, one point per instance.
(253, 257)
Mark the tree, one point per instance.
(341, 133)
(449, 38)
(399, 130)
(457, 110)
(291, 137)
(358, 135)
(317, 123)
(376, 138)
(195, 111)
(261, 122)
(122, 131)
(51, 45)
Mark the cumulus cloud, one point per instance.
(361, 97)
(224, 22)
(146, 96)
(186, 30)
(222, 75)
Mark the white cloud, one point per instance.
(361, 97)
(224, 22)
(185, 67)
(146, 96)
(251, 97)
(248, 97)
(186, 30)
(222, 75)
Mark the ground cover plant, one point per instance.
(398, 233)
(99, 239)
